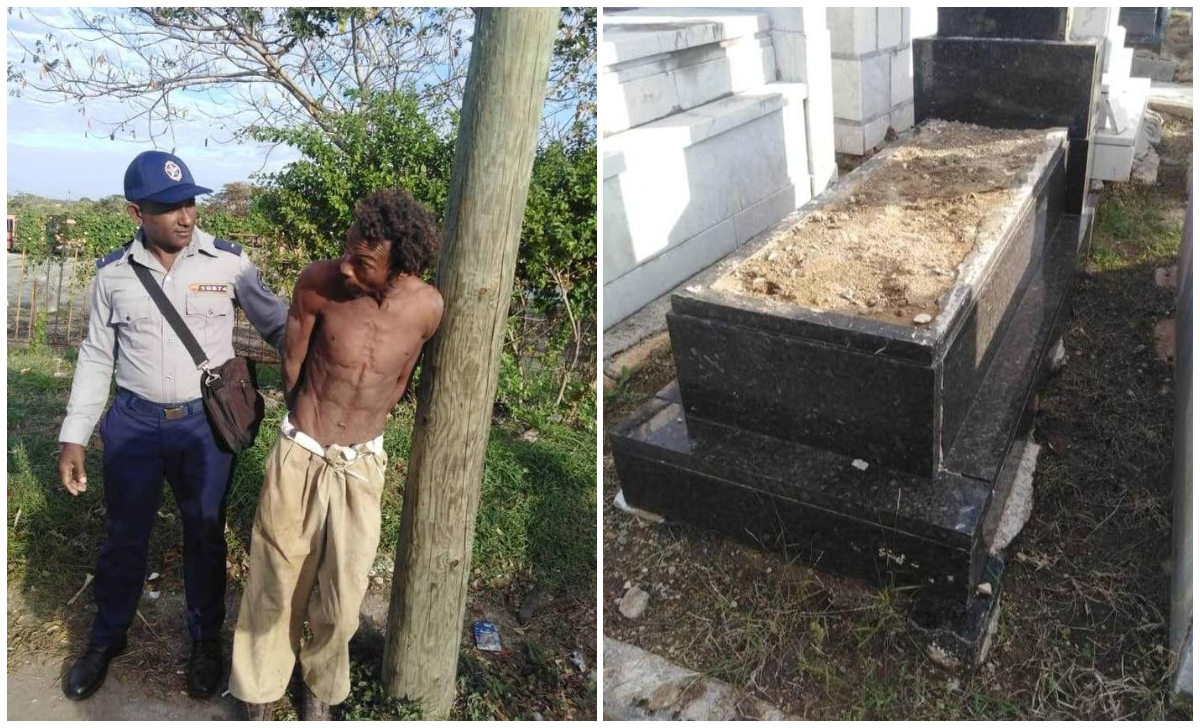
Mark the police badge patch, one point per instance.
(173, 171)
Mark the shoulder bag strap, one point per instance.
(172, 316)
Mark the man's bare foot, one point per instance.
(314, 707)
(260, 711)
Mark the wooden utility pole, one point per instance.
(493, 160)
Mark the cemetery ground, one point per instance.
(1084, 613)
(535, 535)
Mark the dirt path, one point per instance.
(34, 693)
(147, 682)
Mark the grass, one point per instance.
(535, 527)
(1082, 623)
(1132, 230)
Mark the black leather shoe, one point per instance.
(88, 673)
(204, 668)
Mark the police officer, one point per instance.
(156, 428)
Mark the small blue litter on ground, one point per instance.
(487, 637)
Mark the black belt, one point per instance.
(164, 411)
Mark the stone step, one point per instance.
(646, 33)
(682, 192)
(1130, 96)
(1156, 69)
(876, 523)
(655, 87)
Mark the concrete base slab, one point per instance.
(634, 357)
(640, 685)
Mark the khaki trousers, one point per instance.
(317, 524)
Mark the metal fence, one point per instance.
(49, 302)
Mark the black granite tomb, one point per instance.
(719, 469)
(1023, 22)
(893, 395)
(1014, 84)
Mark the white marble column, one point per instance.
(871, 50)
(802, 55)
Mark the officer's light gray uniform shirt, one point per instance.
(126, 329)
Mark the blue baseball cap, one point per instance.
(160, 177)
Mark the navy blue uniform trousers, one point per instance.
(142, 448)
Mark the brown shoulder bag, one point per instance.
(234, 407)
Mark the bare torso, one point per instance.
(360, 353)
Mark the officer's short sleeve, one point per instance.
(93, 370)
(266, 311)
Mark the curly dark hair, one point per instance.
(397, 216)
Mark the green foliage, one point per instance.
(54, 539)
(99, 228)
(112, 203)
(527, 390)
(38, 332)
(558, 235)
(390, 143)
(1131, 228)
(29, 234)
(89, 227)
(221, 222)
(368, 699)
(218, 223)
(537, 510)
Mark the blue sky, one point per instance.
(51, 154)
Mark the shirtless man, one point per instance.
(354, 332)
